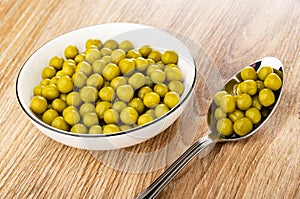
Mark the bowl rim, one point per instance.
(38, 121)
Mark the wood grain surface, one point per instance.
(224, 36)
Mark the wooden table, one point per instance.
(223, 34)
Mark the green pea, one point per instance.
(158, 76)
(71, 52)
(93, 42)
(129, 115)
(176, 86)
(126, 45)
(219, 113)
(243, 101)
(79, 79)
(95, 129)
(60, 123)
(117, 55)
(236, 115)
(227, 103)
(125, 92)
(161, 109)
(266, 97)
(49, 115)
(50, 92)
(249, 87)
(107, 93)
(264, 71)
(56, 62)
(224, 126)
(169, 57)
(90, 119)
(92, 55)
(242, 126)
(98, 66)
(87, 108)
(162, 89)
(89, 94)
(111, 71)
(137, 104)
(84, 67)
(248, 73)
(48, 72)
(79, 128)
(38, 104)
(144, 119)
(119, 106)
(254, 115)
(95, 80)
(65, 84)
(111, 116)
(137, 80)
(73, 99)
(145, 50)
(273, 82)
(59, 105)
(72, 117)
(111, 44)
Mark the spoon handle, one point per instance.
(161, 182)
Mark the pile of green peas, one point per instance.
(239, 111)
(107, 88)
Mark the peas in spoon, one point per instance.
(243, 125)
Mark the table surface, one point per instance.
(224, 36)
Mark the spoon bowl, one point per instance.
(229, 86)
(213, 137)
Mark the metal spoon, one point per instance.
(213, 137)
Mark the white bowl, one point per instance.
(30, 76)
